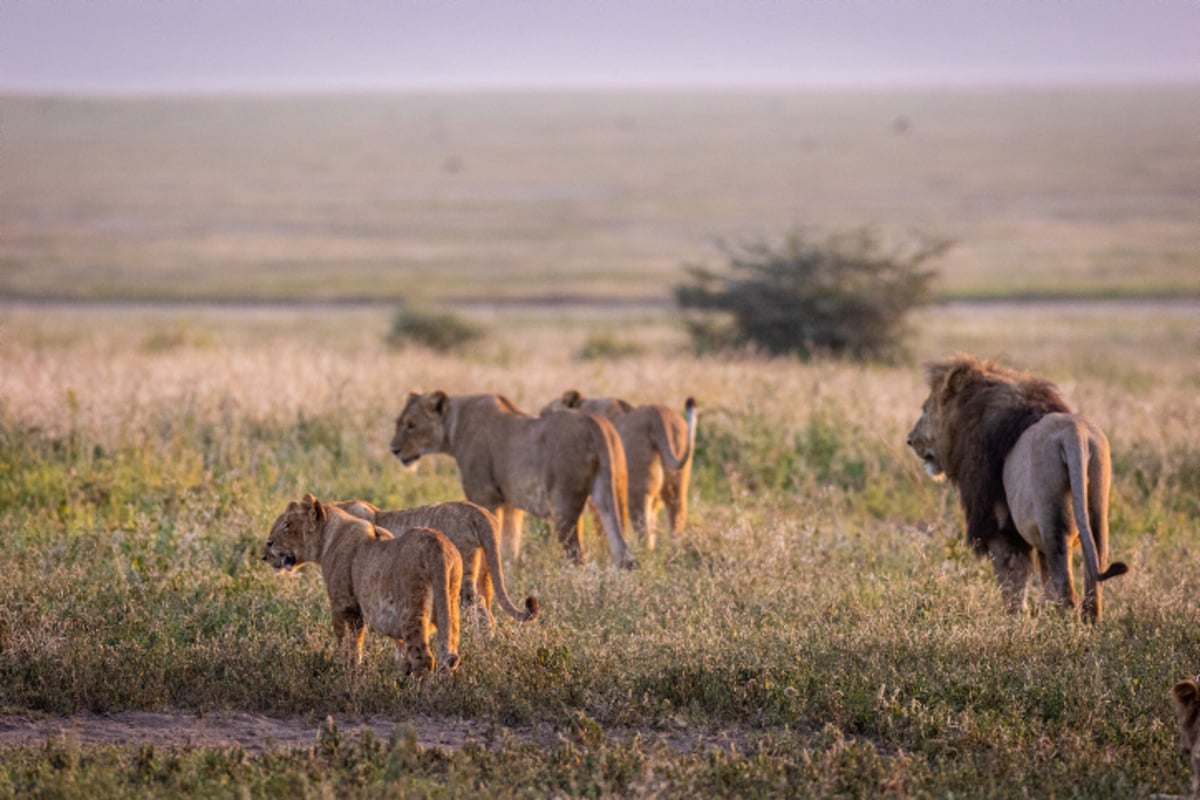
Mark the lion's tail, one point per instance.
(489, 541)
(447, 582)
(1077, 459)
(609, 488)
(662, 439)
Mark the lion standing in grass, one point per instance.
(475, 531)
(391, 585)
(1033, 478)
(659, 444)
(511, 463)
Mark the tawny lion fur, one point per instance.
(475, 531)
(393, 585)
(511, 463)
(659, 444)
(1033, 478)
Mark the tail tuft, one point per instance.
(1114, 569)
(532, 608)
(690, 405)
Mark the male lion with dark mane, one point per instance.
(475, 531)
(1032, 477)
(658, 456)
(391, 585)
(510, 462)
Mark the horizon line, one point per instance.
(597, 87)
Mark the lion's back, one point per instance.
(463, 522)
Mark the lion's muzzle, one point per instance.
(406, 461)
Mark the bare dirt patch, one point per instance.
(257, 734)
(253, 732)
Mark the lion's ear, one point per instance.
(625, 406)
(308, 500)
(317, 510)
(571, 398)
(956, 378)
(1187, 693)
(436, 402)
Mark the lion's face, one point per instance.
(285, 548)
(421, 427)
(922, 439)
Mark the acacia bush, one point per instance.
(845, 295)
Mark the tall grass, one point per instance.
(821, 611)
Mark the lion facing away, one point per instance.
(475, 531)
(1033, 478)
(659, 444)
(511, 463)
(391, 585)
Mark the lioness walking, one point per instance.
(391, 585)
(511, 463)
(659, 444)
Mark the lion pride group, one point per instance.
(1033, 480)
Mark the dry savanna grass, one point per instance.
(821, 616)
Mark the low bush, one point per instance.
(438, 331)
(845, 295)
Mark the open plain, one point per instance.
(196, 302)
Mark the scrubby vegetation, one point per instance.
(440, 331)
(821, 622)
(845, 295)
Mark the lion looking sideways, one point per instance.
(1032, 477)
(384, 583)
(510, 463)
(652, 435)
(475, 531)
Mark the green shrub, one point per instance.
(846, 295)
(443, 332)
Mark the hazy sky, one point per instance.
(253, 45)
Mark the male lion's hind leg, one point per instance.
(1056, 536)
(1013, 566)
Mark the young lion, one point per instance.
(1187, 707)
(385, 583)
(475, 532)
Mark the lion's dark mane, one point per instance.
(985, 408)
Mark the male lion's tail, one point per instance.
(662, 439)
(609, 488)
(489, 541)
(1077, 459)
(445, 567)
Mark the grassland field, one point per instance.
(821, 620)
(820, 630)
